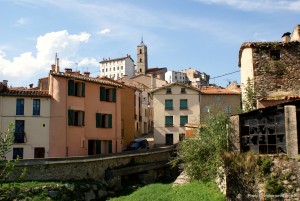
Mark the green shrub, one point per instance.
(273, 186)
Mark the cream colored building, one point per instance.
(29, 111)
(174, 105)
(196, 78)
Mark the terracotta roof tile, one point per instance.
(87, 79)
(38, 93)
(218, 90)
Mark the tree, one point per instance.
(201, 156)
(7, 167)
(249, 98)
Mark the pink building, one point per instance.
(85, 115)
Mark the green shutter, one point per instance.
(114, 94)
(109, 146)
(183, 104)
(70, 117)
(71, 87)
(82, 113)
(169, 120)
(183, 120)
(102, 94)
(169, 104)
(98, 120)
(83, 89)
(109, 120)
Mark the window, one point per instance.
(275, 54)
(183, 104)
(183, 120)
(118, 68)
(141, 60)
(94, 147)
(121, 67)
(140, 51)
(218, 98)
(228, 110)
(75, 118)
(20, 107)
(76, 88)
(108, 94)
(169, 90)
(114, 68)
(169, 139)
(17, 152)
(19, 131)
(169, 104)
(175, 77)
(102, 70)
(36, 105)
(183, 90)
(168, 121)
(103, 120)
(206, 109)
(105, 70)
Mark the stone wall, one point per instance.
(276, 74)
(94, 167)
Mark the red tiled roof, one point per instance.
(39, 93)
(87, 79)
(218, 90)
(291, 97)
(151, 70)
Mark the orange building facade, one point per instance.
(85, 115)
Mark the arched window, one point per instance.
(140, 51)
(141, 60)
(140, 70)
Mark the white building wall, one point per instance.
(193, 112)
(36, 127)
(117, 68)
(174, 76)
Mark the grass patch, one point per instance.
(195, 190)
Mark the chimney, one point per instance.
(57, 65)
(53, 68)
(68, 70)
(286, 37)
(87, 74)
(30, 86)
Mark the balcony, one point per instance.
(19, 137)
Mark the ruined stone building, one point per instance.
(272, 68)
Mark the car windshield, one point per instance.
(134, 144)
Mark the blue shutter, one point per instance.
(169, 104)
(169, 120)
(183, 120)
(183, 103)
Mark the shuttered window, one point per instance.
(76, 118)
(108, 94)
(168, 120)
(76, 88)
(183, 104)
(169, 104)
(103, 120)
(183, 120)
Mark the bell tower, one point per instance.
(142, 58)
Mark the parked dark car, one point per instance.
(137, 144)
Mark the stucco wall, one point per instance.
(36, 127)
(193, 112)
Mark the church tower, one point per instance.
(142, 58)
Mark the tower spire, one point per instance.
(142, 42)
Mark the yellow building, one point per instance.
(174, 105)
(29, 111)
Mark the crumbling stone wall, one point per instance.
(273, 74)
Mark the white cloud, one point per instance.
(28, 65)
(21, 22)
(88, 61)
(261, 5)
(104, 31)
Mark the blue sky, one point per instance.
(202, 34)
